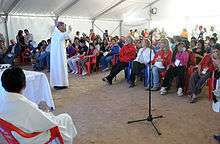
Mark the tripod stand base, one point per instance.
(149, 119)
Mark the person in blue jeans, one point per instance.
(161, 61)
(43, 58)
(106, 59)
(10, 53)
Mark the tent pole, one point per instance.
(93, 22)
(56, 20)
(120, 27)
(6, 30)
(115, 29)
(150, 18)
(99, 28)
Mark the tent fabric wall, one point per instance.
(127, 28)
(40, 27)
(73, 25)
(2, 27)
(175, 15)
(111, 26)
(84, 26)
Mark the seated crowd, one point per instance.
(154, 56)
(190, 63)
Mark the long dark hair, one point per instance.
(20, 33)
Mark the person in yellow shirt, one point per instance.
(184, 33)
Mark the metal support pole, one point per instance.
(99, 28)
(115, 29)
(120, 28)
(56, 20)
(6, 30)
(150, 18)
(93, 22)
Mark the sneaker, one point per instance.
(76, 72)
(193, 99)
(147, 88)
(106, 69)
(155, 88)
(180, 92)
(163, 91)
(84, 73)
(217, 137)
(107, 80)
(132, 85)
(60, 87)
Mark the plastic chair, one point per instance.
(115, 59)
(92, 61)
(7, 128)
(211, 83)
(188, 74)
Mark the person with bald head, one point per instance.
(58, 59)
(126, 55)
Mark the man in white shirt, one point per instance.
(26, 115)
(142, 59)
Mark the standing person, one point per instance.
(184, 33)
(21, 41)
(92, 35)
(28, 37)
(3, 50)
(105, 34)
(58, 61)
(77, 35)
(136, 34)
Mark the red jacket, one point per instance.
(207, 62)
(166, 57)
(127, 53)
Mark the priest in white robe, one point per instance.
(58, 59)
(26, 115)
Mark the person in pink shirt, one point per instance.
(176, 69)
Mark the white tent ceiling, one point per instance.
(126, 10)
(173, 15)
(105, 9)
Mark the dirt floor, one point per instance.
(100, 113)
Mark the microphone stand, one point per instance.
(149, 118)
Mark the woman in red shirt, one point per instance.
(161, 61)
(127, 54)
(204, 71)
